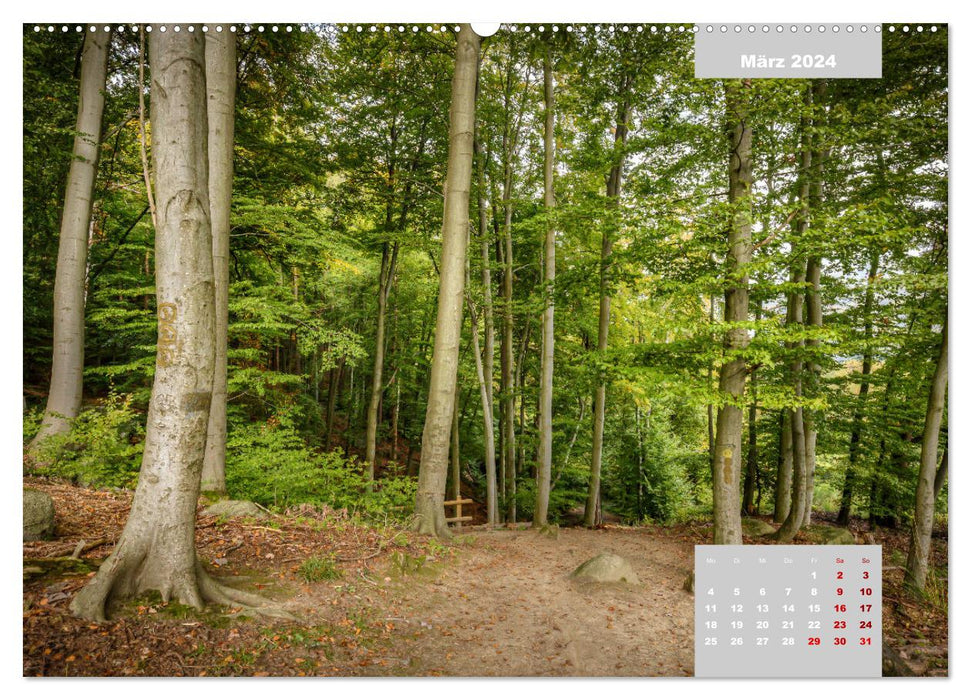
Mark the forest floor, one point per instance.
(489, 603)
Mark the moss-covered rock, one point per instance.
(753, 527)
(38, 515)
(235, 509)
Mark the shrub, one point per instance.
(271, 464)
(103, 448)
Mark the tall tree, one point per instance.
(814, 308)
(433, 469)
(156, 550)
(918, 558)
(483, 365)
(221, 112)
(615, 181)
(856, 433)
(801, 270)
(389, 260)
(544, 459)
(731, 380)
(64, 398)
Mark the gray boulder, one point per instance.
(38, 515)
(753, 527)
(235, 509)
(606, 567)
(836, 535)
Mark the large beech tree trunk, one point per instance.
(64, 398)
(156, 550)
(544, 458)
(915, 576)
(592, 512)
(433, 471)
(727, 465)
(221, 86)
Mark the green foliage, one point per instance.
(272, 464)
(317, 569)
(103, 448)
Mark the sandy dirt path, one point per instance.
(505, 606)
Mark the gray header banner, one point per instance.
(788, 50)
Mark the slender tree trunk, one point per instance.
(731, 380)
(389, 259)
(333, 389)
(592, 511)
(783, 480)
(156, 550)
(797, 433)
(814, 318)
(507, 359)
(544, 459)
(710, 408)
(484, 379)
(221, 86)
(455, 450)
(814, 311)
(941, 476)
(752, 456)
(846, 502)
(429, 509)
(794, 320)
(64, 398)
(915, 576)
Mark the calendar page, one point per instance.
(607, 343)
(788, 611)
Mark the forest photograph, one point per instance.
(435, 349)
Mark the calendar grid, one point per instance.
(783, 611)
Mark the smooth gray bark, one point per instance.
(915, 576)
(432, 473)
(64, 398)
(544, 458)
(221, 86)
(156, 550)
(727, 465)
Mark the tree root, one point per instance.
(124, 577)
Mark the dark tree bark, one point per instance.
(856, 435)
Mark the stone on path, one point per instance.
(606, 567)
